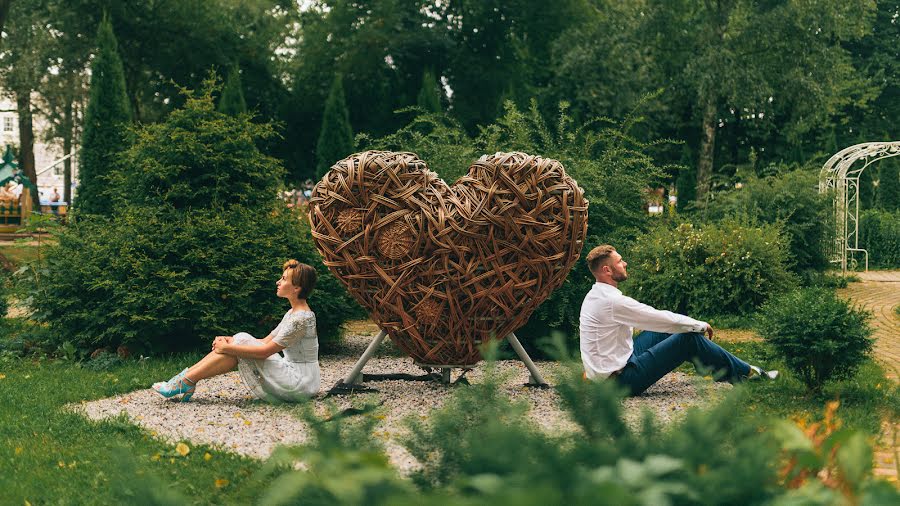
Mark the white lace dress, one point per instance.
(293, 377)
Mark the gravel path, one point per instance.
(223, 414)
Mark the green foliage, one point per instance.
(199, 158)
(196, 245)
(106, 124)
(348, 465)
(232, 99)
(819, 335)
(686, 186)
(429, 98)
(482, 448)
(879, 234)
(790, 200)
(4, 293)
(889, 185)
(729, 268)
(336, 136)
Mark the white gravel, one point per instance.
(223, 414)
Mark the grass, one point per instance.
(51, 455)
(19, 253)
(866, 399)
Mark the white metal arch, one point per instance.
(841, 176)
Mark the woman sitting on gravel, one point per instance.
(267, 374)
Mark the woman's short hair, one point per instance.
(301, 275)
(598, 256)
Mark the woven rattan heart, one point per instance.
(442, 268)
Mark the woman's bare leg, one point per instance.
(213, 364)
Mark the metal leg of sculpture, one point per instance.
(355, 375)
(536, 378)
(445, 375)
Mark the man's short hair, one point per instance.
(598, 256)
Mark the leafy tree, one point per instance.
(785, 60)
(889, 184)
(336, 136)
(430, 95)
(24, 62)
(232, 99)
(106, 122)
(197, 240)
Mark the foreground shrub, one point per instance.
(192, 252)
(483, 448)
(819, 335)
(790, 200)
(729, 268)
(879, 234)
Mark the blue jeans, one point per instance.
(657, 354)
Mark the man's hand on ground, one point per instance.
(709, 332)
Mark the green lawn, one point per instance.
(49, 455)
(18, 253)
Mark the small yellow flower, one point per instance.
(221, 482)
(247, 422)
(155, 457)
(61, 464)
(18, 450)
(207, 457)
(2, 376)
(171, 461)
(182, 449)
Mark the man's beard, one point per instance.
(618, 277)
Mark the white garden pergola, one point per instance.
(840, 175)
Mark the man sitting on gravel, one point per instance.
(608, 349)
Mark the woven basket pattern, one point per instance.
(443, 268)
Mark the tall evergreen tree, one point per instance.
(232, 99)
(106, 122)
(430, 94)
(889, 185)
(336, 136)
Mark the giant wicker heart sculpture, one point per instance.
(443, 268)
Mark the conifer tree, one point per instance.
(336, 136)
(430, 95)
(232, 100)
(106, 123)
(889, 185)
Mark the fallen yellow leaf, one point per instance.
(221, 482)
(207, 456)
(183, 449)
(247, 422)
(155, 458)
(18, 450)
(2, 376)
(61, 464)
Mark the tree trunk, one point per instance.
(707, 147)
(67, 141)
(26, 143)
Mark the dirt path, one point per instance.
(879, 292)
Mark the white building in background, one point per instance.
(49, 176)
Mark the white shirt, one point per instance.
(607, 324)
